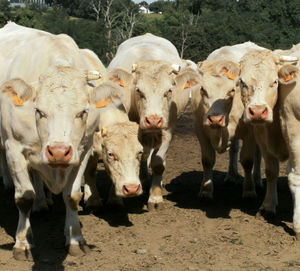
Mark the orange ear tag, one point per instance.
(121, 83)
(230, 75)
(287, 78)
(17, 101)
(101, 104)
(187, 85)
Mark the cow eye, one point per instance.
(168, 93)
(82, 114)
(274, 84)
(231, 92)
(139, 155)
(40, 114)
(243, 84)
(140, 93)
(203, 92)
(111, 155)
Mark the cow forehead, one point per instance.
(63, 87)
(217, 85)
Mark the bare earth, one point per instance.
(187, 234)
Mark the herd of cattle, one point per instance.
(61, 109)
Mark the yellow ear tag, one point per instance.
(230, 75)
(101, 104)
(17, 101)
(187, 84)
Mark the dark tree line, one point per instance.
(195, 27)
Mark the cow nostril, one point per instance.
(49, 151)
(68, 151)
(251, 111)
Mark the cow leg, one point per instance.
(232, 173)
(257, 167)
(158, 164)
(208, 161)
(272, 170)
(72, 195)
(246, 158)
(40, 202)
(7, 180)
(144, 174)
(91, 195)
(24, 197)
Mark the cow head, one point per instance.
(153, 85)
(121, 153)
(218, 86)
(259, 79)
(66, 111)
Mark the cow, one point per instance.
(261, 72)
(48, 115)
(156, 83)
(218, 109)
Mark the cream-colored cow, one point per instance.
(48, 117)
(156, 91)
(218, 110)
(260, 74)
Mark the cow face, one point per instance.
(259, 85)
(66, 111)
(153, 85)
(121, 154)
(218, 87)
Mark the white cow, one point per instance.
(156, 94)
(48, 117)
(218, 110)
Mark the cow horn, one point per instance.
(134, 67)
(92, 75)
(175, 68)
(288, 58)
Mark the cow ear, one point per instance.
(120, 77)
(18, 91)
(228, 69)
(107, 95)
(288, 74)
(187, 79)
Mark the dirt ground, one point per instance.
(187, 234)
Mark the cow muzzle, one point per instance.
(131, 190)
(258, 113)
(59, 155)
(153, 122)
(216, 121)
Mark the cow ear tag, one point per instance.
(228, 74)
(187, 85)
(17, 101)
(289, 77)
(101, 104)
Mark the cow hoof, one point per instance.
(297, 235)
(262, 213)
(78, 250)
(155, 206)
(249, 195)
(22, 254)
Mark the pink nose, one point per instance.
(258, 112)
(131, 190)
(153, 121)
(59, 154)
(216, 121)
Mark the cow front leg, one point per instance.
(271, 199)
(257, 167)
(208, 162)
(246, 158)
(158, 164)
(232, 173)
(40, 203)
(75, 242)
(91, 195)
(7, 180)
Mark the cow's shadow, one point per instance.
(47, 227)
(184, 189)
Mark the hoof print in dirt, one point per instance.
(78, 250)
(22, 254)
(155, 206)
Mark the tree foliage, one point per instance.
(195, 27)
